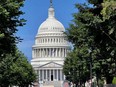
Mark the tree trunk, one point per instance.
(97, 81)
(76, 85)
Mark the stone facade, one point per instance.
(50, 49)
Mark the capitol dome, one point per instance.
(49, 51)
(51, 24)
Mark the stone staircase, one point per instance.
(52, 84)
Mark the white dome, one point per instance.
(51, 24)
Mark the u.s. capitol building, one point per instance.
(49, 51)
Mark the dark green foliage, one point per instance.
(16, 70)
(95, 2)
(9, 21)
(76, 69)
(14, 67)
(94, 29)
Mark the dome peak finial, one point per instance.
(51, 12)
(51, 3)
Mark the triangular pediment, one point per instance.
(51, 65)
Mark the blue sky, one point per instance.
(36, 11)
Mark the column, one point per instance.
(40, 52)
(42, 75)
(33, 53)
(60, 52)
(56, 53)
(50, 51)
(46, 75)
(64, 77)
(53, 74)
(45, 52)
(37, 53)
(47, 40)
(39, 75)
(57, 74)
(61, 75)
(49, 75)
(65, 51)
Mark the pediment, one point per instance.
(51, 65)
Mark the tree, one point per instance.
(114, 80)
(9, 21)
(16, 70)
(76, 68)
(94, 28)
(14, 67)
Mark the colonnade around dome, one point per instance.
(49, 52)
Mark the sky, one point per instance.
(36, 11)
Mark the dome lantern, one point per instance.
(51, 12)
(51, 24)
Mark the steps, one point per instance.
(52, 84)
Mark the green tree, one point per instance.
(114, 80)
(76, 68)
(9, 21)
(16, 70)
(94, 29)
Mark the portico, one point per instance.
(50, 75)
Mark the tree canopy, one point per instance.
(14, 67)
(94, 29)
(16, 70)
(9, 21)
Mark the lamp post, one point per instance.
(90, 63)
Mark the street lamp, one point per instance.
(90, 62)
